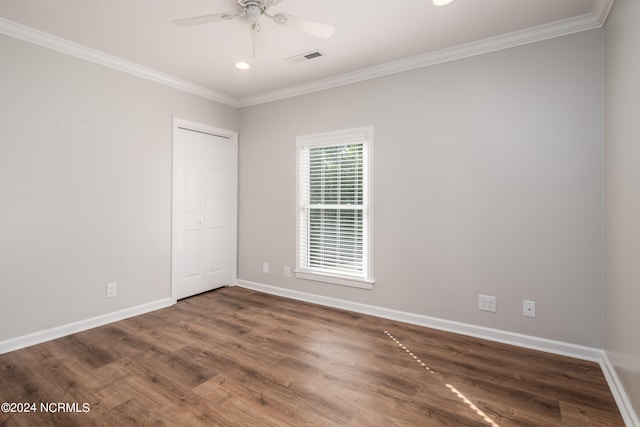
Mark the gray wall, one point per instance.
(85, 186)
(622, 189)
(488, 179)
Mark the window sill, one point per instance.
(336, 280)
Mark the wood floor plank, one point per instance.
(581, 416)
(167, 340)
(235, 357)
(256, 407)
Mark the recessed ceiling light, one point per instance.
(441, 2)
(242, 66)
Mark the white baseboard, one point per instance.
(535, 343)
(622, 399)
(520, 340)
(82, 325)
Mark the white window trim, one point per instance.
(364, 134)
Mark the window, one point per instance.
(334, 207)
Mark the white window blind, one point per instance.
(334, 212)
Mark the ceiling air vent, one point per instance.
(304, 57)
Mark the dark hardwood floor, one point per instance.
(243, 358)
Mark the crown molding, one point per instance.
(589, 21)
(49, 41)
(593, 20)
(601, 10)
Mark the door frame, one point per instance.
(232, 136)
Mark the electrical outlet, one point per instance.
(529, 308)
(112, 289)
(287, 271)
(487, 303)
(265, 267)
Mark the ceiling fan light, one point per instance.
(441, 2)
(280, 18)
(242, 66)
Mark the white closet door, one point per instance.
(200, 248)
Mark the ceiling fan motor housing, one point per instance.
(253, 8)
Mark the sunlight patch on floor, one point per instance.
(471, 405)
(455, 391)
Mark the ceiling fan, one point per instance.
(253, 10)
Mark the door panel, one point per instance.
(192, 255)
(214, 253)
(200, 251)
(216, 213)
(192, 188)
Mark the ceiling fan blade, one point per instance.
(204, 19)
(304, 25)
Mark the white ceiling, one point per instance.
(372, 38)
